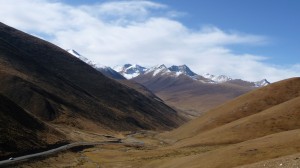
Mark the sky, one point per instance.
(249, 39)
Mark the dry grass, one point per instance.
(46, 81)
(282, 117)
(290, 161)
(243, 106)
(268, 147)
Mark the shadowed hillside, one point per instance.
(21, 132)
(55, 86)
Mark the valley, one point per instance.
(129, 153)
(82, 115)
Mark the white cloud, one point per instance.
(142, 32)
(125, 8)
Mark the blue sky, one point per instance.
(278, 20)
(259, 38)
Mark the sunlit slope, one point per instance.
(247, 152)
(246, 105)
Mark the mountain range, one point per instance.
(50, 97)
(191, 94)
(130, 71)
(178, 86)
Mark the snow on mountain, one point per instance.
(223, 78)
(73, 52)
(82, 58)
(182, 69)
(86, 60)
(217, 79)
(261, 83)
(107, 71)
(130, 71)
(159, 69)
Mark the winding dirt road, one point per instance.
(56, 150)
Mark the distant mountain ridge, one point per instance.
(130, 71)
(188, 92)
(178, 86)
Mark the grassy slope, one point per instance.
(267, 147)
(261, 125)
(279, 118)
(243, 106)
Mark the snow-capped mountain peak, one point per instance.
(158, 69)
(161, 66)
(130, 70)
(182, 69)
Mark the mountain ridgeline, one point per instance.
(105, 70)
(130, 71)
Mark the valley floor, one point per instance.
(141, 149)
(136, 150)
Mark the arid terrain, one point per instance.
(50, 99)
(258, 129)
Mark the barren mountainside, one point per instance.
(22, 132)
(55, 86)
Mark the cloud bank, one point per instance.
(141, 32)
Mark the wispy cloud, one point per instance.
(143, 32)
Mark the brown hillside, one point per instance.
(140, 88)
(243, 106)
(264, 148)
(279, 118)
(192, 97)
(55, 86)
